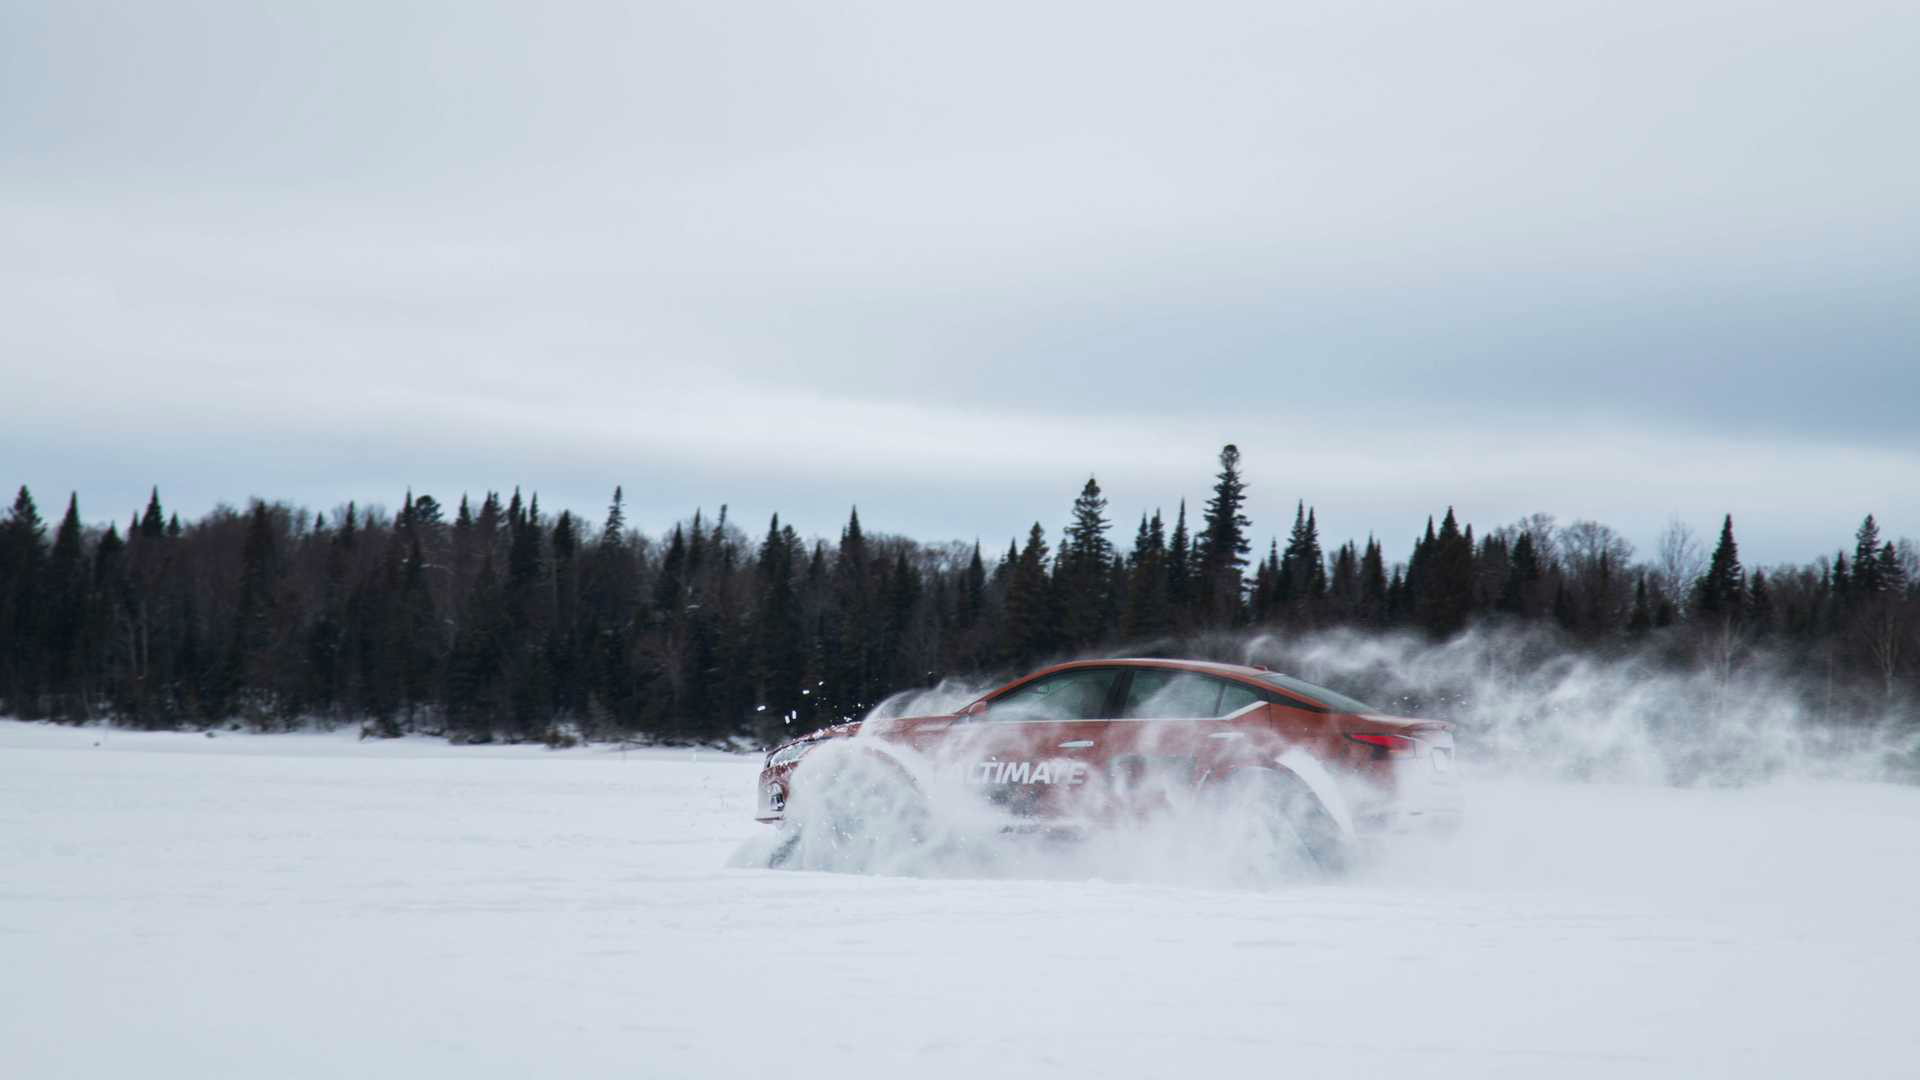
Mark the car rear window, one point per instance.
(1335, 701)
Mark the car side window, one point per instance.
(1080, 694)
(1234, 697)
(1165, 694)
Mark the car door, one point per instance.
(1177, 726)
(1033, 750)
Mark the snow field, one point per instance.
(311, 906)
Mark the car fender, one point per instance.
(1308, 770)
(1311, 772)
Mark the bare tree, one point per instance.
(1883, 629)
(1598, 560)
(1680, 561)
(1885, 620)
(1546, 546)
(1584, 543)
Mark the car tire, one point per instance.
(1279, 826)
(852, 812)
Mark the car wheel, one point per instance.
(854, 812)
(1277, 828)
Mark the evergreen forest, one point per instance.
(487, 618)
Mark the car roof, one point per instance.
(1210, 667)
(1213, 666)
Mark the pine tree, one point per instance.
(153, 524)
(327, 662)
(1889, 570)
(610, 622)
(373, 628)
(1599, 617)
(1721, 593)
(670, 585)
(614, 531)
(486, 530)
(1444, 595)
(1180, 567)
(65, 594)
(418, 625)
(1149, 603)
(1760, 614)
(779, 650)
(1302, 569)
(248, 675)
(106, 656)
(1414, 585)
(1491, 562)
(1113, 616)
(1223, 546)
(564, 545)
(856, 624)
(1523, 576)
(901, 661)
(1029, 602)
(523, 553)
(1343, 585)
(1086, 537)
(1266, 599)
(1085, 555)
(1374, 607)
(1317, 584)
(1399, 598)
(973, 590)
(1641, 620)
(1866, 559)
(427, 520)
(477, 698)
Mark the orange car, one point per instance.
(1100, 743)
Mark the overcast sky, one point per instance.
(1613, 260)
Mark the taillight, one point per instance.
(1385, 744)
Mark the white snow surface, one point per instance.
(312, 906)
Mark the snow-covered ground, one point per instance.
(295, 906)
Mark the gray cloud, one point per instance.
(1609, 260)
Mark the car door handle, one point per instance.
(1076, 744)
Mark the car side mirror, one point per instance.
(974, 711)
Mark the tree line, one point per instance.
(501, 621)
